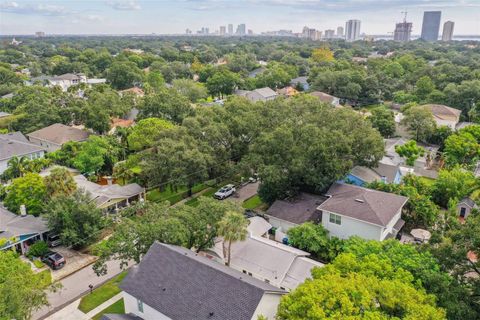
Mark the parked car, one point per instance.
(225, 192)
(53, 240)
(54, 260)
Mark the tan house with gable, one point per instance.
(53, 137)
(444, 116)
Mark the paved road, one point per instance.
(75, 286)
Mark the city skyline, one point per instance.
(173, 17)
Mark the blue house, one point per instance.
(387, 173)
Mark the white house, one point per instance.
(270, 261)
(16, 145)
(176, 283)
(262, 94)
(351, 210)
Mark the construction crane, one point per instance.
(404, 15)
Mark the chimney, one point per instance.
(109, 181)
(23, 210)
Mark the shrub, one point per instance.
(38, 249)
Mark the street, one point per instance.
(75, 286)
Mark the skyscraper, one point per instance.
(340, 32)
(352, 30)
(230, 28)
(223, 30)
(241, 29)
(431, 25)
(447, 34)
(403, 31)
(329, 34)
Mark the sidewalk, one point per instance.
(75, 286)
(71, 311)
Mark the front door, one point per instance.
(463, 211)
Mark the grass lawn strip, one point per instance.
(101, 294)
(252, 202)
(117, 308)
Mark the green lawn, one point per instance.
(39, 264)
(173, 196)
(45, 277)
(252, 202)
(117, 308)
(194, 201)
(102, 293)
(428, 181)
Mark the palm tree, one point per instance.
(232, 227)
(16, 166)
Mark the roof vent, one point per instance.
(163, 289)
(359, 200)
(211, 314)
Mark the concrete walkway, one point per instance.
(75, 286)
(71, 311)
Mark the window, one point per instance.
(334, 218)
(140, 305)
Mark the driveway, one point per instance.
(74, 286)
(75, 261)
(245, 192)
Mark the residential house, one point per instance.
(286, 214)
(325, 97)
(465, 207)
(119, 123)
(54, 136)
(267, 260)
(21, 231)
(423, 166)
(175, 283)
(262, 94)
(111, 197)
(16, 145)
(300, 81)
(385, 172)
(287, 91)
(444, 116)
(356, 211)
(65, 81)
(256, 72)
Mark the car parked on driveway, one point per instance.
(225, 192)
(53, 240)
(54, 260)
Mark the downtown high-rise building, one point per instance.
(403, 31)
(447, 34)
(340, 32)
(329, 34)
(431, 25)
(230, 28)
(241, 29)
(352, 30)
(223, 30)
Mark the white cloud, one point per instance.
(41, 9)
(128, 5)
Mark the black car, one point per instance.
(54, 260)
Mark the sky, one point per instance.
(174, 16)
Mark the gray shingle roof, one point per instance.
(184, 286)
(59, 134)
(301, 209)
(363, 204)
(13, 225)
(16, 145)
(114, 316)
